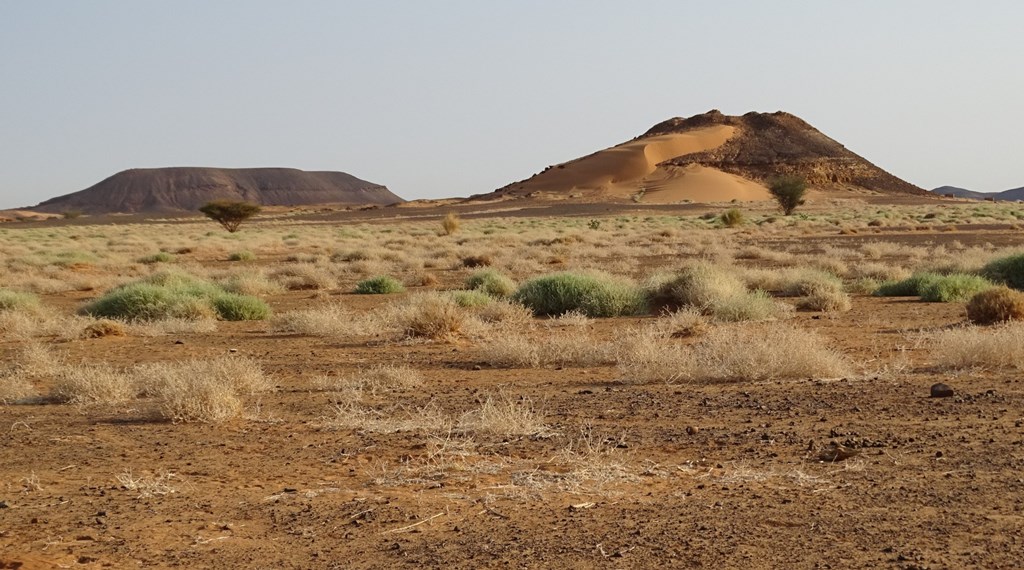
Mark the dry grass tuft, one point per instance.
(730, 353)
(971, 347)
(519, 350)
(505, 415)
(202, 390)
(380, 378)
(103, 328)
(85, 385)
(429, 315)
(351, 415)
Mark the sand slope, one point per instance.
(626, 169)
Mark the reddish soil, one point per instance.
(719, 475)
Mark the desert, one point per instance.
(755, 392)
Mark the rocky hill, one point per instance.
(188, 188)
(711, 157)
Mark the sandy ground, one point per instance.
(726, 475)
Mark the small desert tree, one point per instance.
(229, 214)
(788, 191)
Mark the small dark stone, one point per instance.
(4, 505)
(179, 342)
(941, 390)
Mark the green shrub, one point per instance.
(242, 256)
(732, 217)
(1008, 270)
(17, 300)
(174, 295)
(159, 257)
(379, 285)
(146, 302)
(491, 283)
(471, 298)
(593, 294)
(909, 287)
(234, 307)
(953, 288)
(788, 191)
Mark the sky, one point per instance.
(453, 98)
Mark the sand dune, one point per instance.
(617, 171)
(700, 184)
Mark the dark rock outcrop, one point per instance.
(771, 144)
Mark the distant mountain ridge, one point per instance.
(187, 188)
(1010, 195)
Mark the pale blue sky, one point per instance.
(452, 98)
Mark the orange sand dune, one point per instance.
(698, 183)
(626, 164)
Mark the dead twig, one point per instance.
(404, 528)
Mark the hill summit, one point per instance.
(188, 188)
(710, 157)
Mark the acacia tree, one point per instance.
(229, 214)
(788, 191)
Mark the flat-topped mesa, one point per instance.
(187, 188)
(710, 157)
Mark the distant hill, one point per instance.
(1013, 194)
(188, 188)
(710, 157)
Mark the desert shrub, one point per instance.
(159, 257)
(430, 316)
(863, 286)
(700, 285)
(235, 307)
(996, 305)
(450, 224)
(92, 385)
(470, 299)
(825, 299)
(952, 288)
(1008, 270)
(593, 294)
(519, 350)
(17, 301)
(380, 285)
(428, 280)
(732, 217)
(173, 295)
(791, 282)
(788, 191)
(242, 256)
(229, 214)
(491, 282)
(504, 312)
(477, 261)
(909, 287)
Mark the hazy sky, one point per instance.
(452, 98)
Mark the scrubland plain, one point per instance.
(627, 386)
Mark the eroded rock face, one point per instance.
(187, 188)
(769, 144)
